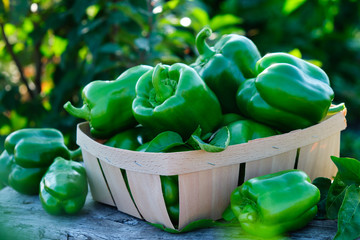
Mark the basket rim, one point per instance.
(192, 161)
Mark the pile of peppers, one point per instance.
(30, 164)
(229, 95)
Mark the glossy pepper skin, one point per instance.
(242, 131)
(288, 93)
(225, 65)
(175, 98)
(170, 188)
(276, 203)
(27, 155)
(63, 188)
(107, 104)
(131, 139)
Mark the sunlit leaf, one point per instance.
(6, 4)
(172, 4)
(17, 121)
(18, 47)
(292, 5)
(59, 45)
(83, 52)
(5, 129)
(46, 104)
(226, 20)
(92, 11)
(28, 25)
(46, 86)
(199, 18)
(296, 52)
(329, 26)
(315, 62)
(9, 29)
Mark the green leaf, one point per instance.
(228, 215)
(59, 45)
(172, 4)
(111, 48)
(219, 141)
(199, 18)
(18, 10)
(136, 14)
(226, 20)
(292, 5)
(164, 141)
(296, 52)
(80, 8)
(203, 223)
(335, 198)
(142, 43)
(92, 11)
(323, 184)
(348, 170)
(349, 215)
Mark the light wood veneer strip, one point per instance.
(194, 161)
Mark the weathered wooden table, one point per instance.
(22, 218)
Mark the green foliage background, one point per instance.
(50, 49)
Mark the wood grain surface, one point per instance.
(22, 218)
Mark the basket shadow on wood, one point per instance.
(206, 180)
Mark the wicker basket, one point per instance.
(206, 180)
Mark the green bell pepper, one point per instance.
(229, 118)
(226, 65)
(242, 131)
(288, 93)
(170, 189)
(168, 142)
(175, 98)
(27, 155)
(131, 139)
(276, 203)
(63, 188)
(107, 104)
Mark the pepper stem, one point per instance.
(75, 154)
(161, 83)
(335, 109)
(200, 42)
(83, 112)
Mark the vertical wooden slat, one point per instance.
(314, 159)
(148, 196)
(97, 182)
(268, 165)
(119, 190)
(206, 194)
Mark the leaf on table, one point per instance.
(203, 223)
(323, 184)
(348, 170)
(349, 215)
(335, 197)
(228, 215)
